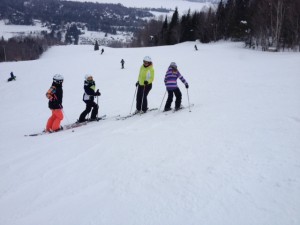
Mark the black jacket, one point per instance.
(89, 91)
(56, 96)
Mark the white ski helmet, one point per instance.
(147, 59)
(58, 78)
(88, 77)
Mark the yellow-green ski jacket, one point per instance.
(146, 73)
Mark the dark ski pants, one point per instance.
(178, 96)
(141, 97)
(89, 106)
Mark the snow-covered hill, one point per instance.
(9, 31)
(89, 37)
(233, 160)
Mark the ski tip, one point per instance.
(31, 135)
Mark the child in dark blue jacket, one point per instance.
(88, 98)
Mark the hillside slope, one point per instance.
(233, 160)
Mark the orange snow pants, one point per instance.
(53, 123)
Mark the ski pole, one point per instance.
(97, 103)
(97, 107)
(65, 116)
(64, 113)
(162, 101)
(187, 91)
(133, 99)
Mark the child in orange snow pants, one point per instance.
(55, 96)
(53, 123)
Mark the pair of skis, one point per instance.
(135, 114)
(180, 109)
(67, 127)
(152, 109)
(117, 117)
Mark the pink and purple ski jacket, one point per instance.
(171, 79)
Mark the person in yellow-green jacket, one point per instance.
(88, 97)
(144, 85)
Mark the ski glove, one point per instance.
(146, 82)
(137, 84)
(97, 93)
(187, 86)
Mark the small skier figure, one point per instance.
(12, 77)
(196, 48)
(144, 85)
(171, 77)
(122, 63)
(55, 96)
(102, 50)
(88, 98)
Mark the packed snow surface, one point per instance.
(234, 159)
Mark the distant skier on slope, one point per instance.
(12, 77)
(88, 98)
(122, 63)
(55, 96)
(144, 85)
(171, 77)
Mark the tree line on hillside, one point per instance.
(26, 47)
(95, 16)
(29, 47)
(267, 24)
(66, 20)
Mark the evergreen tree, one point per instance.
(241, 19)
(96, 46)
(195, 26)
(291, 27)
(72, 34)
(235, 18)
(220, 20)
(173, 32)
(186, 28)
(229, 20)
(209, 27)
(175, 19)
(164, 32)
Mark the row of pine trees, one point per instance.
(264, 24)
(26, 48)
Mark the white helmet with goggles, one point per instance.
(58, 78)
